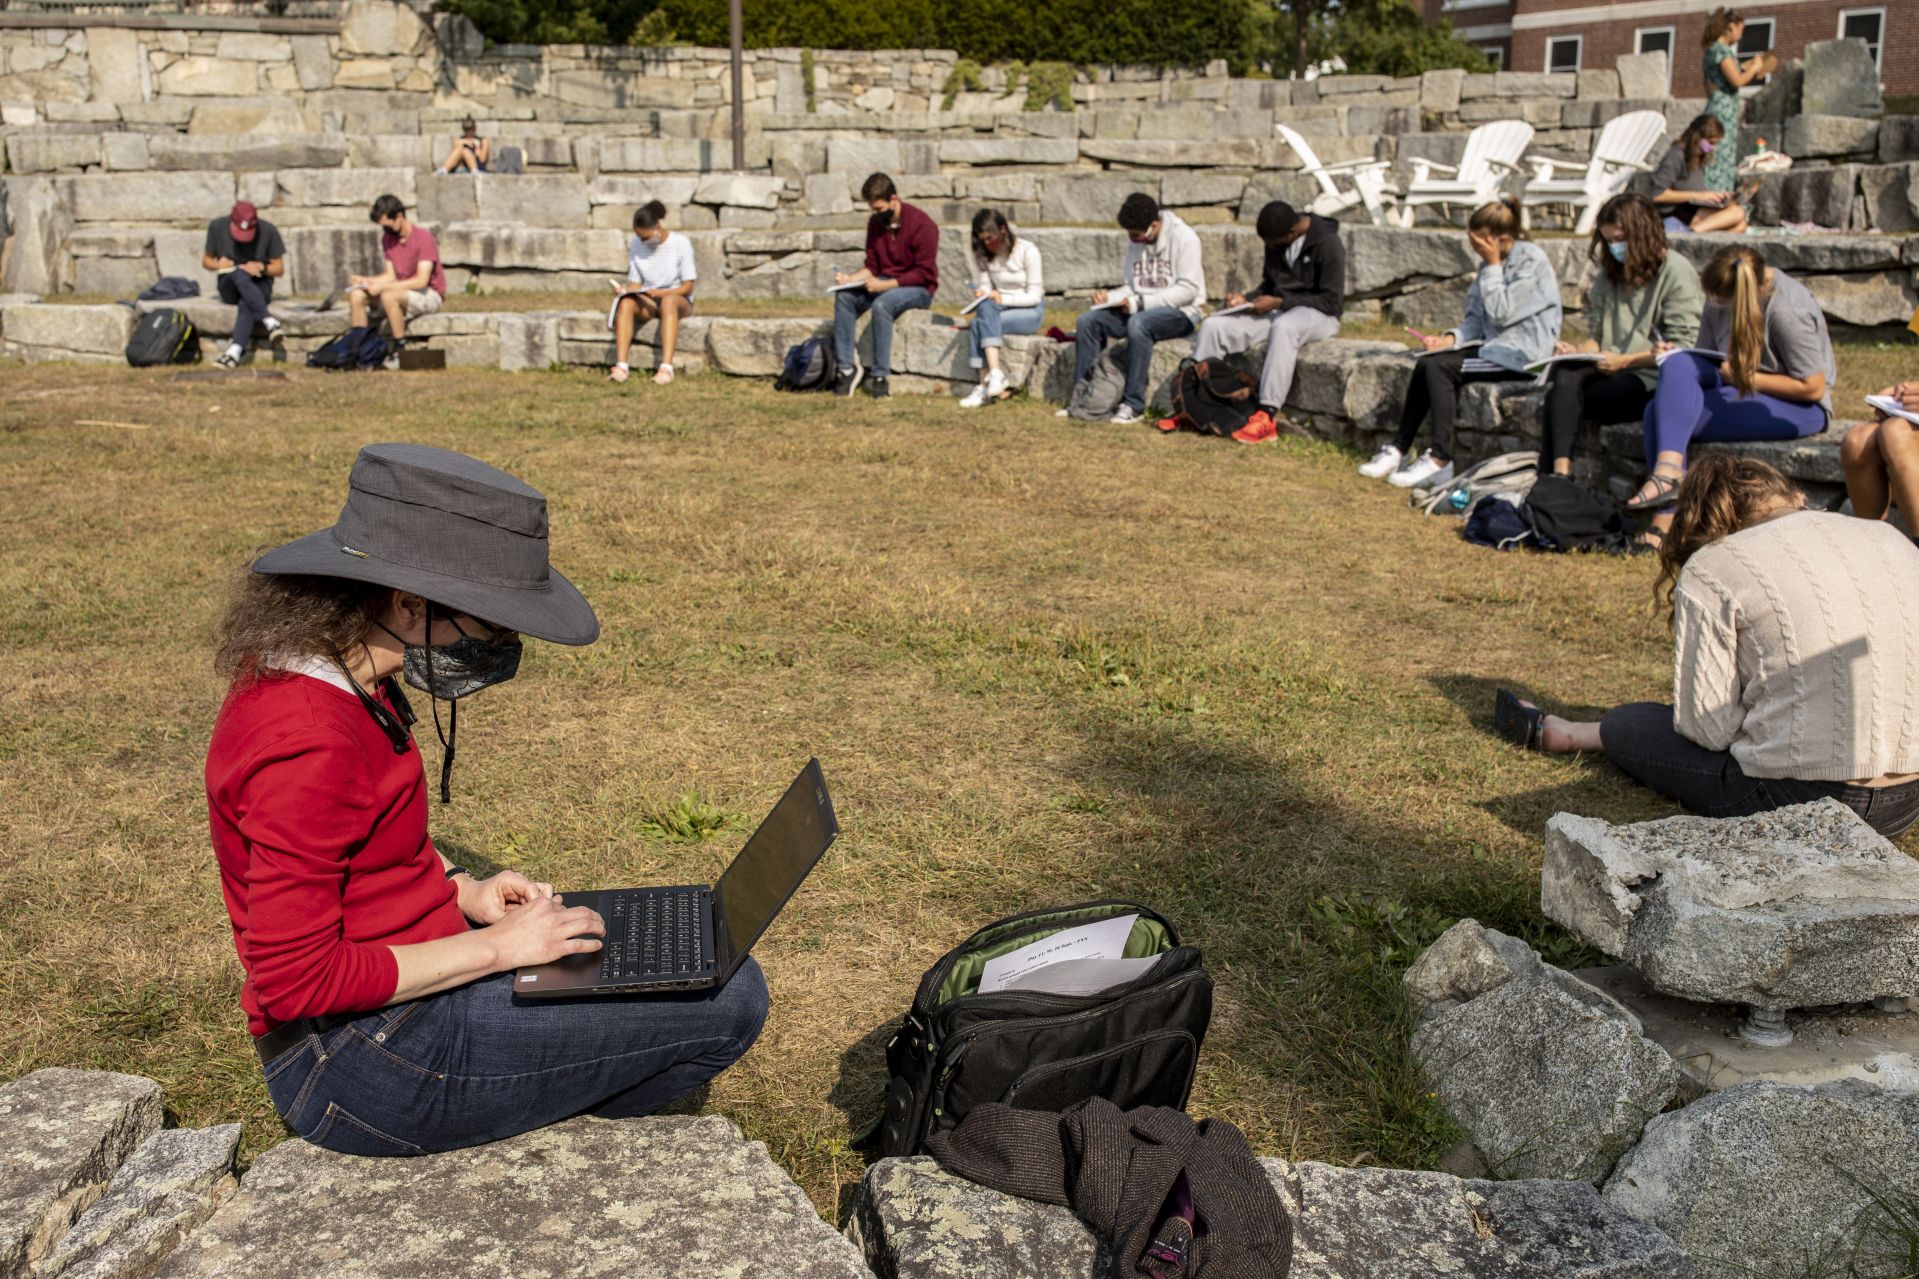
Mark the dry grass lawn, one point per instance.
(1040, 662)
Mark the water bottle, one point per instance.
(1457, 499)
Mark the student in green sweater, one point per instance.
(1642, 293)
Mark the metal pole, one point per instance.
(739, 76)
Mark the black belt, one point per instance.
(290, 1035)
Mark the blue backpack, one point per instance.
(807, 367)
(359, 350)
(1500, 522)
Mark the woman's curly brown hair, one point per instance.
(273, 617)
(1721, 494)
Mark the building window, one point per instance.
(1656, 40)
(1756, 38)
(1562, 53)
(1868, 25)
(1495, 54)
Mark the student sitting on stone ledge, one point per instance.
(1299, 298)
(379, 975)
(1680, 187)
(901, 273)
(1010, 297)
(1882, 460)
(1796, 660)
(414, 282)
(1642, 293)
(470, 150)
(1164, 294)
(660, 275)
(1512, 320)
(1773, 382)
(249, 255)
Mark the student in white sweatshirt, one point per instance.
(1009, 291)
(1164, 294)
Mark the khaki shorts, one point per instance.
(421, 302)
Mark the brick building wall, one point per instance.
(1607, 30)
(1487, 25)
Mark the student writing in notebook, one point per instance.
(1007, 298)
(660, 277)
(1512, 320)
(1882, 459)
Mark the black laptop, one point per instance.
(693, 938)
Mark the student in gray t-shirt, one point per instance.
(1764, 370)
(1680, 187)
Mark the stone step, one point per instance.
(170, 1184)
(63, 1134)
(666, 1195)
(913, 1220)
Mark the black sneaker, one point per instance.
(877, 388)
(848, 381)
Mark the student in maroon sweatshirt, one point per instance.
(901, 274)
(379, 975)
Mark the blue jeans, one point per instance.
(471, 1065)
(991, 325)
(850, 305)
(1693, 403)
(1097, 328)
(252, 296)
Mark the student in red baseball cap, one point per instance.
(249, 255)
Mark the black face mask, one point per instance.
(453, 671)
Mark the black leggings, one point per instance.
(1581, 393)
(1435, 391)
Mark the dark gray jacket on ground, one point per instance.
(1116, 1169)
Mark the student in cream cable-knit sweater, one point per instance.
(1796, 659)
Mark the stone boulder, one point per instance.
(1841, 79)
(33, 256)
(1822, 196)
(1830, 137)
(757, 348)
(62, 1135)
(1767, 1178)
(1545, 1084)
(914, 1221)
(53, 332)
(1382, 260)
(1865, 300)
(169, 1185)
(382, 28)
(135, 198)
(1799, 907)
(1644, 75)
(589, 1196)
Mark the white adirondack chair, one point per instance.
(1492, 152)
(1619, 153)
(1368, 179)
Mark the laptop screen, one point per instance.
(778, 856)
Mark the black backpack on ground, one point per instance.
(1566, 516)
(807, 367)
(163, 337)
(1212, 397)
(1135, 1044)
(358, 350)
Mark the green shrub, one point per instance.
(963, 78)
(1049, 84)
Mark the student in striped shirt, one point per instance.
(660, 276)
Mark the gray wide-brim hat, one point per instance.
(452, 529)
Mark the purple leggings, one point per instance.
(1693, 403)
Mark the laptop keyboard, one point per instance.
(654, 934)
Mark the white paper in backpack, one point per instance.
(1083, 976)
(1103, 940)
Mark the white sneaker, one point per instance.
(1126, 416)
(273, 327)
(1061, 413)
(1427, 472)
(975, 397)
(995, 383)
(1384, 462)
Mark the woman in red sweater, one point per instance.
(378, 974)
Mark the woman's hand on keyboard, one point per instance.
(542, 931)
(487, 901)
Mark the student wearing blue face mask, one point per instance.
(379, 975)
(1642, 293)
(1684, 193)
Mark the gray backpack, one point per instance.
(1506, 473)
(1097, 397)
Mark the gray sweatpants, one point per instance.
(1284, 332)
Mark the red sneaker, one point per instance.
(1259, 428)
(1168, 424)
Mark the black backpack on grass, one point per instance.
(357, 350)
(1135, 1044)
(1212, 397)
(164, 336)
(1567, 516)
(807, 367)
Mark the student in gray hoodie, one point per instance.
(1164, 294)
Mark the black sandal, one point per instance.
(1522, 725)
(1665, 492)
(1648, 542)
